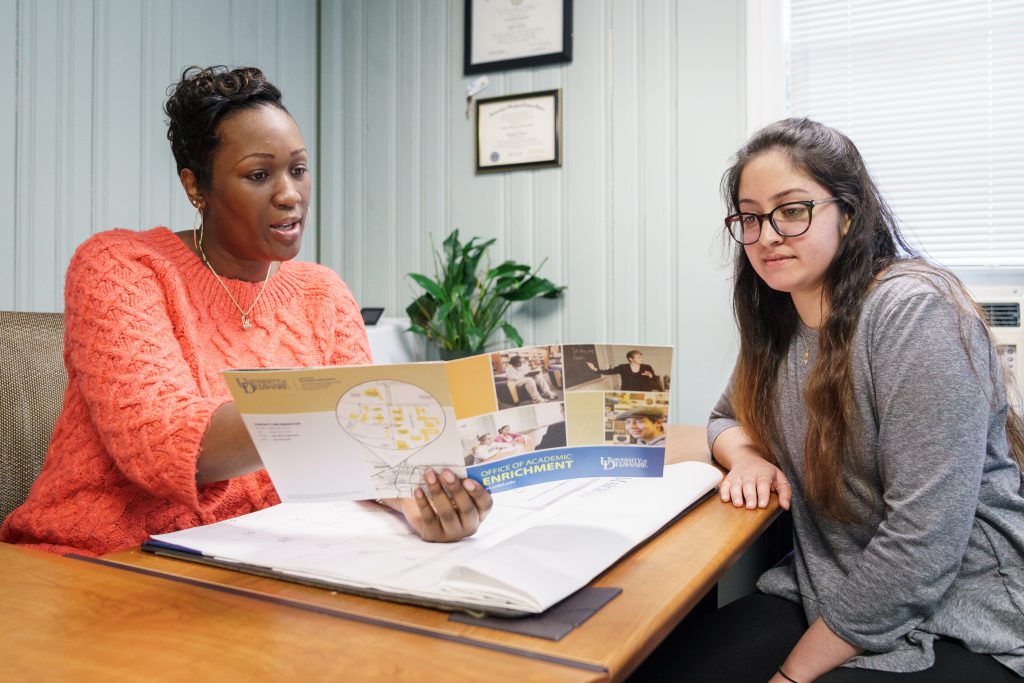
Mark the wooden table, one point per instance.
(70, 620)
(661, 581)
(136, 616)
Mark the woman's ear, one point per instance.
(846, 224)
(191, 184)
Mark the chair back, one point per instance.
(32, 383)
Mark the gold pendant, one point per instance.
(246, 325)
(807, 355)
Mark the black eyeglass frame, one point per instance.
(771, 219)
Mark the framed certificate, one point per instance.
(515, 34)
(519, 131)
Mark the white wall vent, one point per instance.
(1002, 307)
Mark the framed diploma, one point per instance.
(516, 34)
(519, 131)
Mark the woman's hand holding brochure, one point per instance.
(453, 510)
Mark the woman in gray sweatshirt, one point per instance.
(869, 395)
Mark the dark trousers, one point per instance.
(748, 639)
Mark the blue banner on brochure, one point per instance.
(569, 463)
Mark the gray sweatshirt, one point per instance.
(940, 550)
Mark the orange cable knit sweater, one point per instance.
(148, 330)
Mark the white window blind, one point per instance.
(932, 93)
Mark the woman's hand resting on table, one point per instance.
(454, 509)
(750, 483)
(751, 478)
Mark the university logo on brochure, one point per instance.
(614, 463)
(251, 386)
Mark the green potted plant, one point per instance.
(465, 303)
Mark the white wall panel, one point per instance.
(408, 154)
(159, 190)
(86, 135)
(654, 250)
(73, 197)
(384, 100)
(352, 155)
(585, 217)
(624, 160)
(8, 149)
(119, 109)
(48, 151)
(433, 140)
(329, 181)
(709, 124)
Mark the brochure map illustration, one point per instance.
(506, 419)
(393, 421)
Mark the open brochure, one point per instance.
(506, 419)
(538, 546)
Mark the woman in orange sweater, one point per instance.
(149, 440)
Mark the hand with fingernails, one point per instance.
(750, 483)
(451, 508)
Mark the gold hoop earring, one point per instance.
(197, 228)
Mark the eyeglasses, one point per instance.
(791, 219)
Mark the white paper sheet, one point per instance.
(525, 557)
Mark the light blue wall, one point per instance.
(653, 106)
(8, 138)
(84, 135)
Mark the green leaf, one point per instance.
(512, 334)
(507, 268)
(438, 320)
(475, 338)
(451, 241)
(472, 254)
(422, 309)
(554, 294)
(426, 283)
(533, 288)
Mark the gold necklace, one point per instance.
(246, 322)
(806, 355)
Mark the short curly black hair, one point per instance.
(200, 101)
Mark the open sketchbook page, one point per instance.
(530, 553)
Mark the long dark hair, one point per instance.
(768, 321)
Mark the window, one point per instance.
(932, 93)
